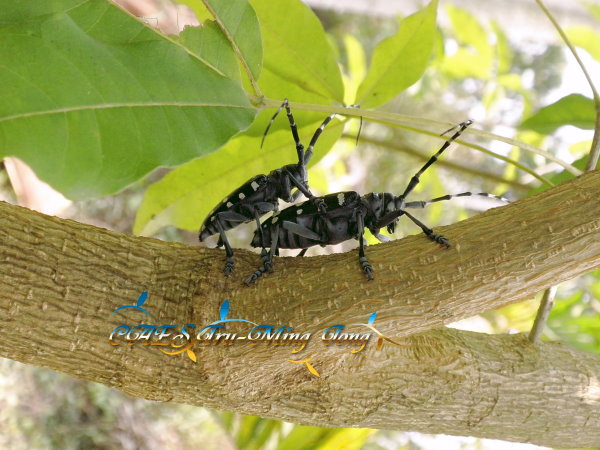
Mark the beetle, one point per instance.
(260, 194)
(345, 216)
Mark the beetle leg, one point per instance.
(223, 239)
(428, 231)
(294, 181)
(362, 258)
(301, 230)
(268, 261)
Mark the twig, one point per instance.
(595, 149)
(414, 124)
(548, 298)
(449, 164)
(542, 315)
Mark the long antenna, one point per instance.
(283, 105)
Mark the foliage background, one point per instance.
(476, 70)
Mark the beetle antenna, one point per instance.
(283, 105)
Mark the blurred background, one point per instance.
(496, 63)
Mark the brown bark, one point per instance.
(60, 281)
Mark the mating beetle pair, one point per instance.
(260, 194)
(326, 220)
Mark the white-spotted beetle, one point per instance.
(345, 216)
(260, 194)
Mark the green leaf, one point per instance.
(305, 437)
(185, 196)
(574, 109)
(475, 57)
(504, 53)
(594, 9)
(239, 23)
(399, 61)
(246, 430)
(347, 438)
(576, 322)
(467, 29)
(263, 433)
(587, 38)
(93, 99)
(210, 42)
(299, 62)
(357, 68)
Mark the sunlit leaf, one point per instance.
(594, 9)
(299, 54)
(93, 100)
(305, 438)
(357, 66)
(587, 38)
(246, 429)
(493, 94)
(467, 29)
(348, 439)
(399, 61)
(475, 56)
(504, 52)
(263, 433)
(574, 109)
(185, 196)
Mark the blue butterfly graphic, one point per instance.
(140, 301)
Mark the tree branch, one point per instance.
(60, 281)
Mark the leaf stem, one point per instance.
(442, 162)
(408, 122)
(595, 148)
(571, 47)
(548, 299)
(488, 152)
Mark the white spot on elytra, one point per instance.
(229, 204)
(275, 219)
(340, 198)
(241, 196)
(254, 185)
(299, 212)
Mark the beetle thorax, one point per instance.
(379, 204)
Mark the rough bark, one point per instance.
(60, 281)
